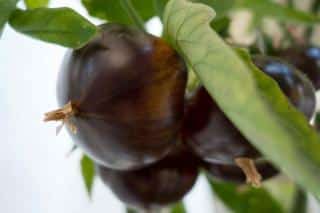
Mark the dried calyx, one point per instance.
(63, 114)
(248, 167)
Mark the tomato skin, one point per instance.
(128, 88)
(306, 59)
(160, 184)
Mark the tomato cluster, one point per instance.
(123, 97)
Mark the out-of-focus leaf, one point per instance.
(221, 7)
(282, 189)
(249, 98)
(300, 202)
(178, 208)
(268, 8)
(159, 6)
(32, 4)
(221, 25)
(56, 25)
(317, 120)
(129, 210)
(245, 199)
(88, 173)
(112, 10)
(6, 8)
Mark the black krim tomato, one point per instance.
(214, 138)
(156, 186)
(234, 174)
(293, 83)
(307, 59)
(122, 94)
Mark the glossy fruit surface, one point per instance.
(211, 134)
(214, 138)
(307, 59)
(292, 82)
(160, 184)
(232, 173)
(128, 90)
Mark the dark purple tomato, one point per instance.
(127, 89)
(210, 134)
(307, 59)
(160, 184)
(292, 82)
(232, 173)
(214, 138)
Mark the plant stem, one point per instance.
(300, 202)
(133, 14)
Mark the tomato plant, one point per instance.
(152, 113)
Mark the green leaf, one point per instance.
(282, 189)
(129, 210)
(178, 208)
(249, 98)
(317, 119)
(268, 8)
(88, 173)
(221, 25)
(6, 8)
(56, 25)
(300, 202)
(245, 199)
(112, 10)
(221, 7)
(159, 6)
(32, 4)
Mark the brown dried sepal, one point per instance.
(248, 167)
(63, 114)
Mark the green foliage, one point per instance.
(56, 25)
(268, 8)
(245, 199)
(250, 99)
(300, 202)
(129, 210)
(32, 4)
(159, 6)
(112, 10)
(178, 208)
(317, 120)
(221, 7)
(88, 173)
(261, 8)
(6, 8)
(282, 189)
(221, 25)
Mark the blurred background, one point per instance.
(37, 176)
